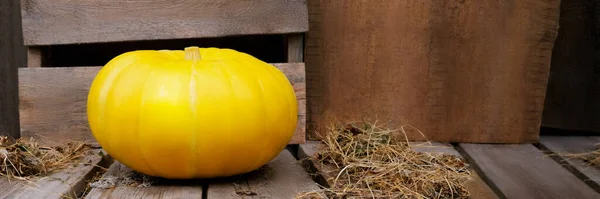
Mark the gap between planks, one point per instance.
(68, 183)
(524, 171)
(323, 175)
(562, 147)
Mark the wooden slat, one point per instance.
(523, 171)
(566, 146)
(11, 57)
(67, 22)
(573, 87)
(34, 57)
(459, 71)
(68, 183)
(477, 187)
(53, 101)
(295, 48)
(175, 190)
(283, 177)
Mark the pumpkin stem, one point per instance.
(193, 53)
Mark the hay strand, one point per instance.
(370, 162)
(24, 159)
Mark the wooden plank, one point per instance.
(34, 57)
(177, 189)
(295, 48)
(68, 183)
(573, 87)
(283, 177)
(564, 146)
(477, 187)
(85, 21)
(464, 71)
(523, 171)
(11, 57)
(53, 101)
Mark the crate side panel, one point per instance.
(69, 22)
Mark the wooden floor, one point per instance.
(502, 171)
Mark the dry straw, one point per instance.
(591, 158)
(24, 159)
(369, 162)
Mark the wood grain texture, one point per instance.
(12, 56)
(523, 171)
(283, 177)
(573, 85)
(459, 71)
(53, 101)
(171, 190)
(295, 48)
(568, 146)
(477, 187)
(34, 57)
(68, 183)
(48, 22)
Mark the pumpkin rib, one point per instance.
(143, 155)
(227, 74)
(194, 108)
(260, 157)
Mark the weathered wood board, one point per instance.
(568, 146)
(179, 190)
(12, 56)
(68, 183)
(283, 177)
(460, 71)
(88, 21)
(53, 101)
(477, 187)
(573, 85)
(523, 171)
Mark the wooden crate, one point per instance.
(52, 97)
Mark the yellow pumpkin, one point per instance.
(198, 113)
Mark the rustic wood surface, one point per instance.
(523, 171)
(12, 56)
(185, 189)
(460, 71)
(68, 22)
(574, 86)
(295, 48)
(568, 146)
(477, 187)
(53, 102)
(68, 183)
(283, 177)
(34, 57)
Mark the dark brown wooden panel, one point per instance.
(283, 177)
(523, 171)
(568, 147)
(176, 190)
(574, 82)
(48, 22)
(12, 56)
(477, 187)
(53, 101)
(68, 183)
(464, 71)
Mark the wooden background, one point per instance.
(462, 71)
(457, 70)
